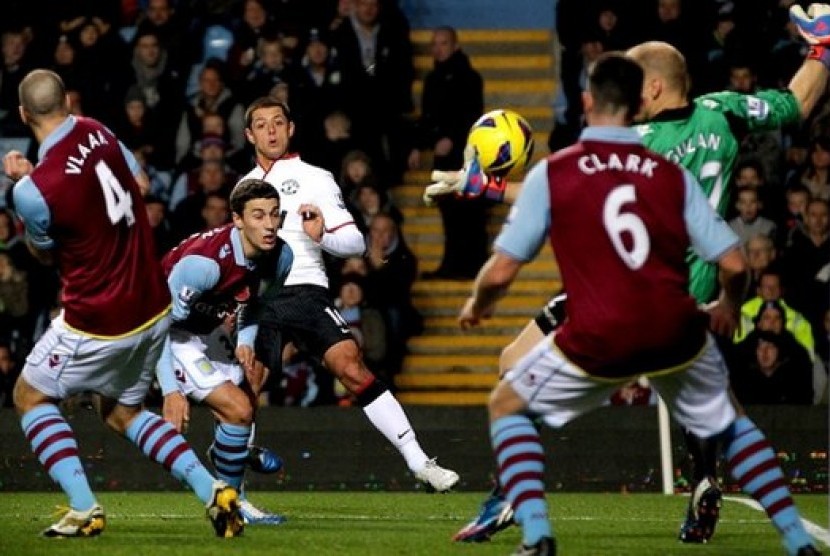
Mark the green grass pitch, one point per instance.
(344, 523)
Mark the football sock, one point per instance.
(521, 461)
(160, 442)
(704, 453)
(753, 464)
(387, 415)
(230, 449)
(53, 442)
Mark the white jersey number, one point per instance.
(118, 200)
(618, 222)
(712, 169)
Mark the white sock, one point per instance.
(387, 415)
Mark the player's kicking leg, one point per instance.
(386, 414)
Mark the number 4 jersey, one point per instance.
(83, 202)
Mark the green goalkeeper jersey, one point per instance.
(704, 137)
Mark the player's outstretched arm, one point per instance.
(810, 81)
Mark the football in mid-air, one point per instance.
(503, 141)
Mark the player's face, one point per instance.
(259, 223)
(270, 132)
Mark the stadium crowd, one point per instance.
(172, 80)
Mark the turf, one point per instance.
(323, 523)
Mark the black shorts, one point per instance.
(304, 315)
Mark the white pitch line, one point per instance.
(818, 532)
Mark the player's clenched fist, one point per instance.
(16, 166)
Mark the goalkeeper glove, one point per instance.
(469, 182)
(814, 26)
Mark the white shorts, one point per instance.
(66, 362)
(200, 370)
(554, 388)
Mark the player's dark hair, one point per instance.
(250, 189)
(616, 83)
(265, 102)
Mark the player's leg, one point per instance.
(385, 412)
(222, 387)
(36, 395)
(543, 384)
(160, 441)
(699, 399)
(54, 444)
(703, 510)
(495, 513)
(307, 316)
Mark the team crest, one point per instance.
(289, 187)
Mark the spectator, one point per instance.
(760, 253)
(337, 143)
(770, 291)
(41, 282)
(816, 173)
(771, 368)
(64, 61)
(392, 271)
(255, 25)
(807, 264)
(161, 87)
(188, 215)
(453, 100)
(355, 170)
(375, 56)
(138, 130)
(268, 68)
(14, 304)
(216, 211)
(749, 221)
(366, 323)
(160, 225)
(160, 180)
(318, 93)
(102, 60)
(797, 197)
(161, 18)
(16, 65)
(367, 201)
(8, 374)
(212, 97)
(297, 384)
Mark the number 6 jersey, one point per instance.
(620, 219)
(83, 202)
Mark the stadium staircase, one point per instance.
(447, 366)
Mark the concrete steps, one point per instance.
(447, 365)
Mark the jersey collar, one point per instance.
(673, 114)
(57, 134)
(238, 251)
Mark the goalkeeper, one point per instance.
(704, 136)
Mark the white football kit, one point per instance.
(299, 182)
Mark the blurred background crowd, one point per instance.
(172, 79)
